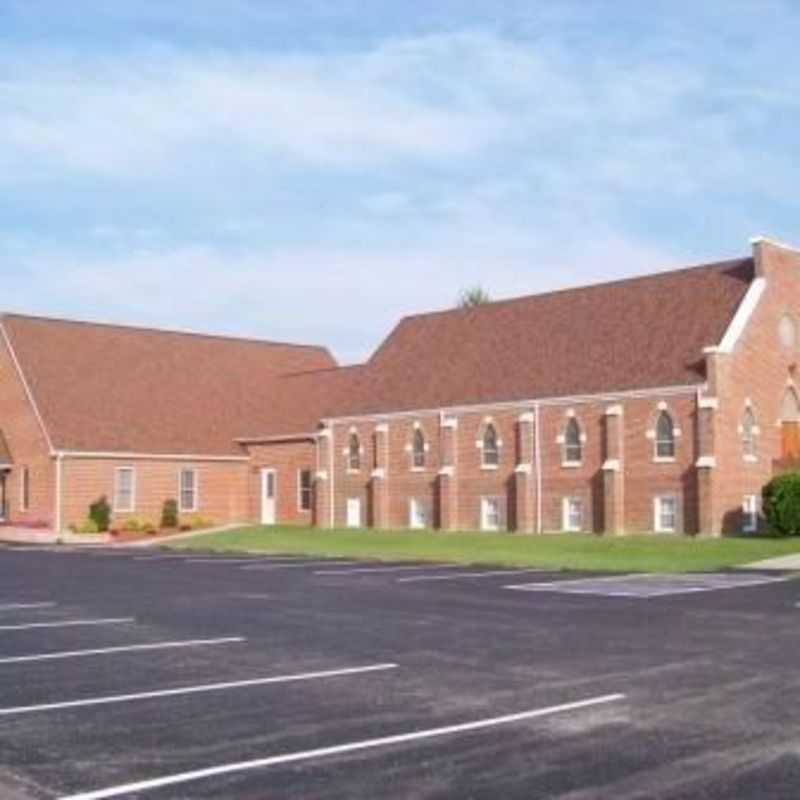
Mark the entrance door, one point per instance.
(268, 494)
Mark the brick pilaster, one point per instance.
(446, 482)
(613, 472)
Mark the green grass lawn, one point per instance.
(645, 553)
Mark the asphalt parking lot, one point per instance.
(153, 675)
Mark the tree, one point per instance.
(475, 296)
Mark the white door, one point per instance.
(268, 494)
(353, 512)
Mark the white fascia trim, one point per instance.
(706, 462)
(378, 472)
(146, 456)
(708, 402)
(447, 471)
(26, 387)
(524, 469)
(612, 465)
(609, 397)
(742, 315)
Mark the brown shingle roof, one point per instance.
(630, 334)
(113, 388)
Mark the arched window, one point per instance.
(749, 434)
(665, 436)
(354, 452)
(572, 441)
(418, 449)
(491, 448)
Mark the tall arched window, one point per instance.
(491, 448)
(749, 434)
(572, 441)
(665, 436)
(418, 449)
(354, 452)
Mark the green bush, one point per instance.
(781, 504)
(100, 512)
(138, 524)
(199, 521)
(169, 514)
(84, 526)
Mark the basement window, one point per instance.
(665, 513)
(572, 514)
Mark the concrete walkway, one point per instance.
(778, 563)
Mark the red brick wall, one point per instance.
(758, 370)
(222, 487)
(28, 447)
(287, 459)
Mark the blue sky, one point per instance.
(312, 171)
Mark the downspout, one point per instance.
(331, 511)
(538, 467)
(58, 512)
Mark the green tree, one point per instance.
(474, 296)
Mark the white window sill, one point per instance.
(750, 459)
(572, 530)
(665, 530)
(571, 464)
(490, 466)
(353, 471)
(416, 469)
(664, 460)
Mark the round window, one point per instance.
(787, 332)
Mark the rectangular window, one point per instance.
(187, 490)
(490, 514)
(665, 509)
(353, 512)
(304, 490)
(124, 489)
(750, 513)
(25, 489)
(417, 517)
(572, 514)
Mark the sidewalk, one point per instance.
(779, 563)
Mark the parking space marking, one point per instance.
(350, 747)
(122, 649)
(208, 687)
(24, 606)
(383, 569)
(466, 575)
(649, 585)
(269, 567)
(69, 623)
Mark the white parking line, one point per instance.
(383, 569)
(268, 567)
(350, 747)
(123, 649)
(463, 575)
(67, 623)
(20, 606)
(208, 687)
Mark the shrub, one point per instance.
(781, 504)
(87, 525)
(100, 512)
(137, 524)
(199, 521)
(169, 514)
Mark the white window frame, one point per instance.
(658, 500)
(750, 513)
(300, 491)
(417, 517)
(566, 515)
(485, 503)
(565, 460)
(498, 446)
(749, 440)
(414, 452)
(195, 490)
(675, 435)
(25, 489)
(354, 455)
(115, 494)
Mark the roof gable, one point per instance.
(122, 389)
